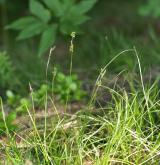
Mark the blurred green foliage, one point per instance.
(65, 88)
(49, 17)
(2, 1)
(21, 104)
(151, 8)
(68, 87)
(7, 124)
(6, 71)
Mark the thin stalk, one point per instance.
(71, 50)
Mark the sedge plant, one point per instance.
(124, 131)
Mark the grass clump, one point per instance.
(124, 131)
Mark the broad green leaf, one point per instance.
(32, 30)
(37, 9)
(11, 127)
(11, 117)
(73, 86)
(67, 27)
(75, 18)
(75, 14)
(55, 6)
(67, 4)
(9, 94)
(1, 116)
(81, 19)
(151, 8)
(21, 23)
(47, 39)
(84, 6)
(2, 1)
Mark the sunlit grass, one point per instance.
(123, 131)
